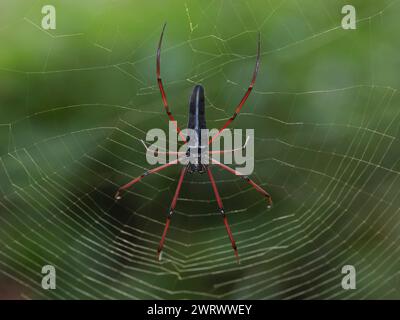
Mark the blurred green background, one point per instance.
(75, 102)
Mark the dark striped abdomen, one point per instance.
(197, 121)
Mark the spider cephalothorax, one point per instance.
(197, 149)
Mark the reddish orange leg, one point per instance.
(132, 182)
(171, 211)
(221, 209)
(246, 95)
(161, 86)
(247, 179)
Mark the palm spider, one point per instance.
(197, 121)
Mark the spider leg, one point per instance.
(171, 211)
(161, 87)
(137, 179)
(246, 178)
(246, 95)
(221, 209)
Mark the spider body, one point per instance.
(197, 149)
(197, 122)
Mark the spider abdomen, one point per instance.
(197, 122)
(197, 116)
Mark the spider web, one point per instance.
(78, 100)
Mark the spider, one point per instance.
(197, 121)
